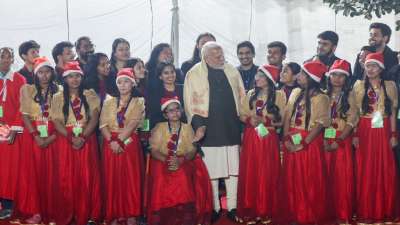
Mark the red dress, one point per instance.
(9, 154)
(78, 170)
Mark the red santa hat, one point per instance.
(72, 67)
(340, 66)
(376, 58)
(272, 72)
(168, 100)
(40, 62)
(315, 69)
(127, 73)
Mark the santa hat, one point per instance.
(72, 67)
(315, 69)
(40, 62)
(166, 101)
(376, 58)
(340, 66)
(272, 72)
(127, 73)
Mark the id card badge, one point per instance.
(330, 133)
(262, 131)
(128, 141)
(77, 129)
(43, 128)
(377, 120)
(296, 139)
(1, 111)
(146, 125)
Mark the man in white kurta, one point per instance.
(212, 93)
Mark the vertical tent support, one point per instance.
(175, 32)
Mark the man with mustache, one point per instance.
(84, 47)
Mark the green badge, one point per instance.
(398, 114)
(146, 125)
(296, 139)
(262, 130)
(128, 141)
(1, 112)
(377, 120)
(330, 133)
(77, 131)
(43, 131)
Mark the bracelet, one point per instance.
(119, 141)
(35, 133)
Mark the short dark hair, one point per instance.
(368, 48)
(246, 44)
(78, 42)
(25, 46)
(329, 35)
(59, 49)
(385, 29)
(278, 44)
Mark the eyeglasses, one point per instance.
(173, 110)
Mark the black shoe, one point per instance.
(215, 216)
(5, 213)
(91, 222)
(232, 215)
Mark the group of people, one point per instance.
(97, 138)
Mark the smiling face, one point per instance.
(287, 76)
(215, 58)
(302, 79)
(275, 56)
(125, 85)
(73, 80)
(173, 112)
(122, 52)
(337, 79)
(103, 68)
(245, 56)
(376, 38)
(168, 75)
(372, 70)
(139, 70)
(261, 80)
(6, 60)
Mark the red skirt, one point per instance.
(203, 192)
(258, 176)
(9, 167)
(79, 181)
(305, 184)
(377, 186)
(37, 185)
(123, 179)
(340, 170)
(171, 194)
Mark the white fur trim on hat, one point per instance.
(68, 72)
(268, 74)
(163, 106)
(338, 71)
(311, 75)
(380, 64)
(125, 76)
(45, 63)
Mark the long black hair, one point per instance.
(67, 100)
(344, 101)
(151, 65)
(91, 80)
(52, 88)
(365, 103)
(131, 63)
(305, 92)
(270, 104)
(196, 52)
(115, 44)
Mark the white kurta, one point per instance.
(222, 162)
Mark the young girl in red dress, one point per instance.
(262, 111)
(377, 181)
(75, 113)
(123, 164)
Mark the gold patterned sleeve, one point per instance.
(353, 112)
(25, 100)
(358, 92)
(189, 135)
(138, 111)
(392, 93)
(281, 101)
(244, 109)
(290, 103)
(105, 113)
(320, 106)
(93, 100)
(156, 138)
(56, 107)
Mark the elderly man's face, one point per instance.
(215, 58)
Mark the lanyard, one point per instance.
(178, 135)
(121, 115)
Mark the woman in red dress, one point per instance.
(36, 186)
(304, 167)
(75, 113)
(123, 165)
(338, 142)
(262, 111)
(172, 197)
(377, 181)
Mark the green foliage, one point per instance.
(366, 8)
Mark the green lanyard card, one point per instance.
(296, 139)
(330, 133)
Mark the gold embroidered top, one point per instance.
(160, 136)
(57, 103)
(108, 117)
(319, 111)
(351, 117)
(28, 105)
(280, 101)
(359, 91)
